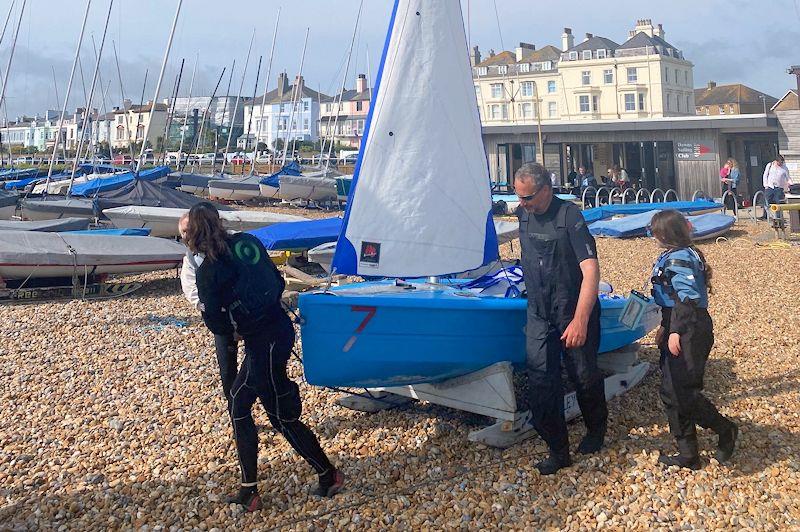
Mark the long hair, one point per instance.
(205, 233)
(672, 230)
(732, 162)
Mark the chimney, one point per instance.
(644, 25)
(361, 83)
(567, 39)
(522, 48)
(282, 84)
(659, 31)
(126, 103)
(116, 109)
(588, 36)
(491, 52)
(475, 56)
(298, 81)
(712, 85)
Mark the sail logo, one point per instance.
(370, 254)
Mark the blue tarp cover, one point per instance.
(638, 208)
(274, 180)
(299, 235)
(636, 225)
(93, 186)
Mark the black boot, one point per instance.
(688, 455)
(726, 443)
(680, 460)
(554, 462)
(247, 497)
(592, 442)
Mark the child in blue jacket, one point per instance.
(681, 282)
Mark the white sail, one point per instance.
(421, 200)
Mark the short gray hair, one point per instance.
(535, 173)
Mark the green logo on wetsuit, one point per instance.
(247, 252)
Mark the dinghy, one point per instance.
(299, 236)
(46, 226)
(54, 207)
(26, 254)
(164, 221)
(704, 226)
(343, 185)
(269, 185)
(312, 187)
(699, 206)
(323, 253)
(235, 189)
(196, 183)
(428, 340)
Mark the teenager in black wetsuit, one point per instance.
(240, 291)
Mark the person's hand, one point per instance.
(575, 333)
(660, 335)
(675, 344)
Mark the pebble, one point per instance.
(108, 424)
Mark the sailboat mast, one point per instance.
(250, 123)
(171, 112)
(2, 37)
(344, 82)
(122, 94)
(236, 104)
(199, 135)
(158, 85)
(87, 111)
(295, 95)
(186, 115)
(11, 56)
(224, 114)
(266, 81)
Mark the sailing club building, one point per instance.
(598, 103)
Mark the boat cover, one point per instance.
(18, 174)
(636, 225)
(682, 206)
(234, 220)
(95, 186)
(128, 231)
(273, 180)
(8, 198)
(299, 235)
(46, 226)
(198, 180)
(237, 183)
(58, 206)
(68, 249)
(147, 193)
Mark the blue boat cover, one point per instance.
(638, 208)
(17, 174)
(299, 235)
(636, 225)
(94, 186)
(128, 231)
(594, 214)
(273, 180)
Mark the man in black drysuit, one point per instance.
(561, 271)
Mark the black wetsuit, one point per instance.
(553, 246)
(234, 303)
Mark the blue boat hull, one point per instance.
(353, 338)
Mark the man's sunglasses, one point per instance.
(530, 197)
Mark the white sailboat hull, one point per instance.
(164, 222)
(25, 254)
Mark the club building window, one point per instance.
(583, 103)
(551, 86)
(497, 90)
(552, 110)
(527, 88)
(502, 69)
(586, 77)
(498, 111)
(633, 76)
(630, 101)
(608, 76)
(526, 110)
(641, 101)
(587, 54)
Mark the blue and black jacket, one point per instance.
(679, 288)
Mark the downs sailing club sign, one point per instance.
(687, 151)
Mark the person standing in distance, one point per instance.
(561, 271)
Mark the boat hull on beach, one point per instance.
(164, 221)
(376, 334)
(27, 254)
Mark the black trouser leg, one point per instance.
(682, 385)
(243, 395)
(581, 366)
(227, 350)
(263, 376)
(544, 384)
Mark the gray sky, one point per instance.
(728, 40)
